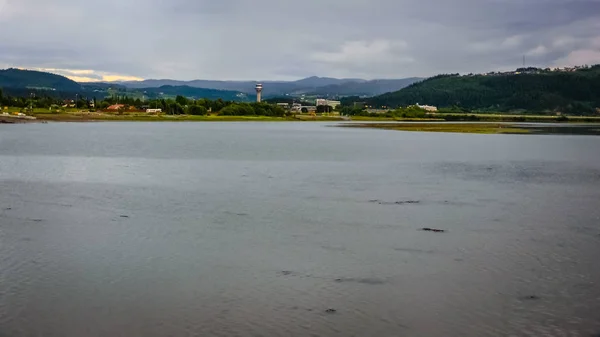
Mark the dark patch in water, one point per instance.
(124, 216)
(404, 202)
(530, 298)
(27, 239)
(333, 248)
(368, 281)
(288, 273)
(37, 220)
(413, 250)
(238, 214)
(7, 208)
(435, 230)
(587, 130)
(331, 311)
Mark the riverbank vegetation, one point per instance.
(482, 128)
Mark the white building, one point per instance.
(428, 107)
(325, 102)
(153, 111)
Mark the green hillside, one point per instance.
(531, 89)
(195, 93)
(29, 79)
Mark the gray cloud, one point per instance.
(274, 39)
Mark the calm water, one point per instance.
(256, 229)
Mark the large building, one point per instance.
(326, 102)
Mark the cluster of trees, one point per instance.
(408, 112)
(575, 93)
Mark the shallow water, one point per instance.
(257, 229)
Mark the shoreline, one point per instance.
(466, 118)
(487, 128)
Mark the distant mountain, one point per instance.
(318, 86)
(16, 80)
(315, 81)
(29, 79)
(365, 88)
(570, 91)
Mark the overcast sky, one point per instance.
(292, 39)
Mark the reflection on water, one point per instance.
(118, 229)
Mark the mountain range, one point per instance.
(316, 86)
(19, 80)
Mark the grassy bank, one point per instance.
(486, 118)
(90, 117)
(141, 117)
(81, 116)
(482, 128)
(488, 128)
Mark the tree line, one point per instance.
(177, 106)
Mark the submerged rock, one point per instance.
(531, 298)
(368, 281)
(435, 230)
(401, 202)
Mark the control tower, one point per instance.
(259, 88)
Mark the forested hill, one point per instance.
(571, 92)
(29, 79)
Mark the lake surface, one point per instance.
(257, 229)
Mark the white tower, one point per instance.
(259, 88)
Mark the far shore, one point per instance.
(84, 116)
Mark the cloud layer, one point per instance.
(274, 39)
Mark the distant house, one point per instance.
(296, 107)
(153, 111)
(116, 107)
(121, 107)
(68, 103)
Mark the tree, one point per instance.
(181, 100)
(197, 110)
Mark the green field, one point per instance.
(483, 128)
(450, 117)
